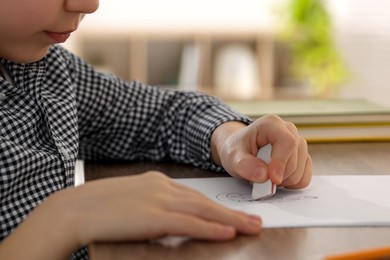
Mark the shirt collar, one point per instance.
(18, 71)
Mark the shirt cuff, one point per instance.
(203, 124)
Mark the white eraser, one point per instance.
(265, 189)
(264, 153)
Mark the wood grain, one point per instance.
(277, 243)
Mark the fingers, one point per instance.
(294, 175)
(247, 166)
(151, 205)
(187, 212)
(196, 204)
(294, 159)
(283, 136)
(199, 228)
(290, 163)
(304, 179)
(188, 225)
(171, 223)
(298, 170)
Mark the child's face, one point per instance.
(29, 27)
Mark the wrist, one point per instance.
(46, 233)
(66, 219)
(220, 136)
(60, 224)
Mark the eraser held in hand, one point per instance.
(265, 189)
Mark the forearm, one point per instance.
(47, 233)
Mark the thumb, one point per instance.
(252, 169)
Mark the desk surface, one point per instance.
(279, 243)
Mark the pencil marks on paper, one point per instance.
(239, 197)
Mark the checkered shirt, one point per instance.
(61, 109)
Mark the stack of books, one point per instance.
(326, 120)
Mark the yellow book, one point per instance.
(327, 120)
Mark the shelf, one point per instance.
(169, 59)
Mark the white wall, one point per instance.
(362, 29)
(363, 33)
(152, 14)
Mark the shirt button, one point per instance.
(65, 153)
(2, 96)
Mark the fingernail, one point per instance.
(261, 174)
(254, 220)
(279, 175)
(228, 231)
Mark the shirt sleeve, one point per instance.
(129, 120)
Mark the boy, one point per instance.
(54, 107)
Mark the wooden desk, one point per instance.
(278, 243)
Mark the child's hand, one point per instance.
(235, 146)
(141, 207)
(151, 206)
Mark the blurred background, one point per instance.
(245, 49)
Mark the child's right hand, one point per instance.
(150, 206)
(146, 206)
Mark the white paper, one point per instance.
(328, 201)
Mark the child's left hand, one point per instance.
(235, 146)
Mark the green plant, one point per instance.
(307, 33)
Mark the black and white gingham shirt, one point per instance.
(61, 108)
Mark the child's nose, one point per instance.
(82, 6)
